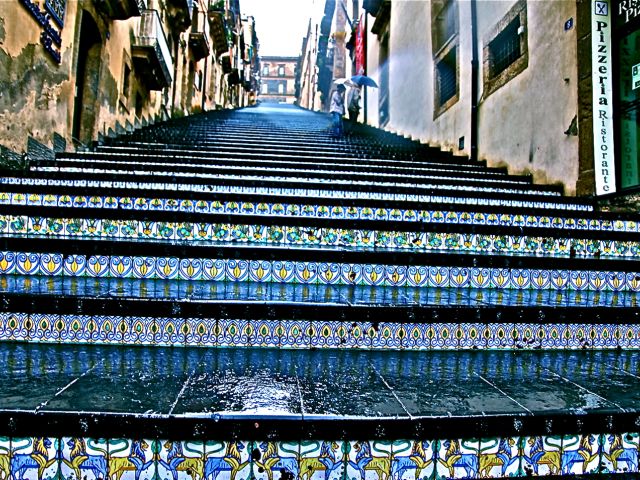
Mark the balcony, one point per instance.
(150, 52)
(218, 28)
(199, 37)
(121, 9)
(180, 12)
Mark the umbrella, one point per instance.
(363, 80)
(344, 81)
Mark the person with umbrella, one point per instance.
(337, 109)
(353, 102)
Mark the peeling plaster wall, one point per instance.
(35, 92)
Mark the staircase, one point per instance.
(407, 313)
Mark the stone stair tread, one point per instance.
(318, 295)
(444, 198)
(94, 245)
(231, 382)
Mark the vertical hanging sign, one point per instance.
(360, 37)
(603, 157)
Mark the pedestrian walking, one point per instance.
(353, 103)
(337, 109)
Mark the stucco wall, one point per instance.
(522, 124)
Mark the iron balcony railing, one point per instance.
(152, 51)
(199, 36)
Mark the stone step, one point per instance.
(190, 394)
(294, 158)
(237, 262)
(218, 170)
(283, 184)
(219, 314)
(418, 235)
(115, 194)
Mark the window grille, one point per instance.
(447, 77)
(505, 48)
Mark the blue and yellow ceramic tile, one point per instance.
(79, 328)
(97, 266)
(180, 460)
(458, 458)
(143, 450)
(84, 458)
(25, 451)
(294, 333)
(168, 331)
(619, 452)
(11, 325)
(233, 332)
(387, 335)
(580, 454)
(201, 332)
(265, 333)
(214, 269)
(167, 268)
(501, 457)
(414, 336)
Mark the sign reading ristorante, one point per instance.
(603, 157)
(627, 10)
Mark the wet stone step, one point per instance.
(212, 170)
(296, 182)
(418, 236)
(272, 293)
(106, 193)
(458, 191)
(358, 383)
(235, 157)
(234, 208)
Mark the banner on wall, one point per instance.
(360, 39)
(603, 157)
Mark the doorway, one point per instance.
(85, 102)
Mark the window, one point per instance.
(445, 22)
(447, 77)
(281, 71)
(265, 70)
(505, 49)
(281, 88)
(126, 80)
(264, 88)
(505, 54)
(139, 102)
(125, 95)
(444, 34)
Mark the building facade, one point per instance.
(75, 70)
(278, 79)
(546, 88)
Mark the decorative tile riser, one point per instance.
(307, 192)
(314, 211)
(316, 236)
(65, 458)
(299, 334)
(231, 270)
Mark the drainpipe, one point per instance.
(474, 82)
(204, 83)
(364, 53)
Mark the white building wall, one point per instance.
(522, 124)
